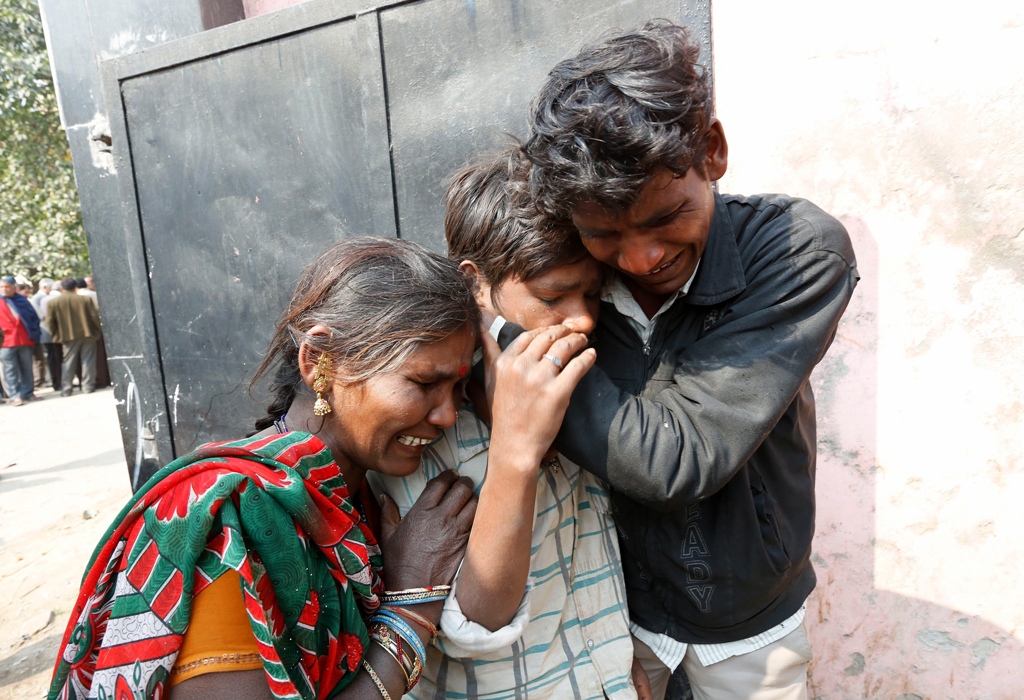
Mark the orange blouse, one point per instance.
(219, 636)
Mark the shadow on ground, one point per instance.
(30, 659)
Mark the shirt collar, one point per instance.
(717, 277)
(618, 295)
(720, 275)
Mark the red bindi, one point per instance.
(462, 371)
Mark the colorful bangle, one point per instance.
(425, 589)
(407, 633)
(390, 640)
(413, 616)
(398, 660)
(425, 594)
(376, 680)
(413, 598)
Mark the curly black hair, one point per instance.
(607, 118)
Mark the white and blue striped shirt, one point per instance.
(570, 637)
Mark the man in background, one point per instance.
(87, 288)
(38, 355)
(54, 351)
(74, 322)
(102, 372)
(20, 326)
(39, 351)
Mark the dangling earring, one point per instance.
(323, 370)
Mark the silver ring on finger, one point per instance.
(555, 359)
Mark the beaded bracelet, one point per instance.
(413, 597)
(425, 589)
(407, 633)
(376, 680)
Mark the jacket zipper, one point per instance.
(646, 347)
(643, 371)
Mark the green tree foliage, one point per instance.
(41, 230)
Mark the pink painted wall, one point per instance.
(905, 123)
(903, 119)
(254, 8)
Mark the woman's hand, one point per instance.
(533, 381)
(426, 546)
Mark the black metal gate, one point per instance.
(241, 152)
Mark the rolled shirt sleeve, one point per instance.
(464, 638)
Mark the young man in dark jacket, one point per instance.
(699, 412)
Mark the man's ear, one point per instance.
(481, 289)
(716, 162)
(309, 356)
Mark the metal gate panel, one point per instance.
(460, 77)
(243, 151)
(247, 164)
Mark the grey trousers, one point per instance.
(39, 363)
(87, 350)
(17, 367)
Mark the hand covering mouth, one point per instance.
(413, 441)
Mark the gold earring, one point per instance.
(323, 371)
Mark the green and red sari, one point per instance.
(274, 509)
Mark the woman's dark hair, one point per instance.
(490, 219)
(606, 119)
(381, 299)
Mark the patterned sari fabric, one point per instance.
(274, 509)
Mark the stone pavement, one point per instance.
(62, 480)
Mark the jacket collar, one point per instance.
(16, 305)
(6, 307)
(720, 275)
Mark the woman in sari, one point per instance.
(251, 568)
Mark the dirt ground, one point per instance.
(62, 480)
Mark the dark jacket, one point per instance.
(14, 333)
(706, 435)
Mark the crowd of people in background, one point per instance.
(51, 337)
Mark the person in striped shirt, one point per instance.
(538, 609)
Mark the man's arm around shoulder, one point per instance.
(728, 389)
